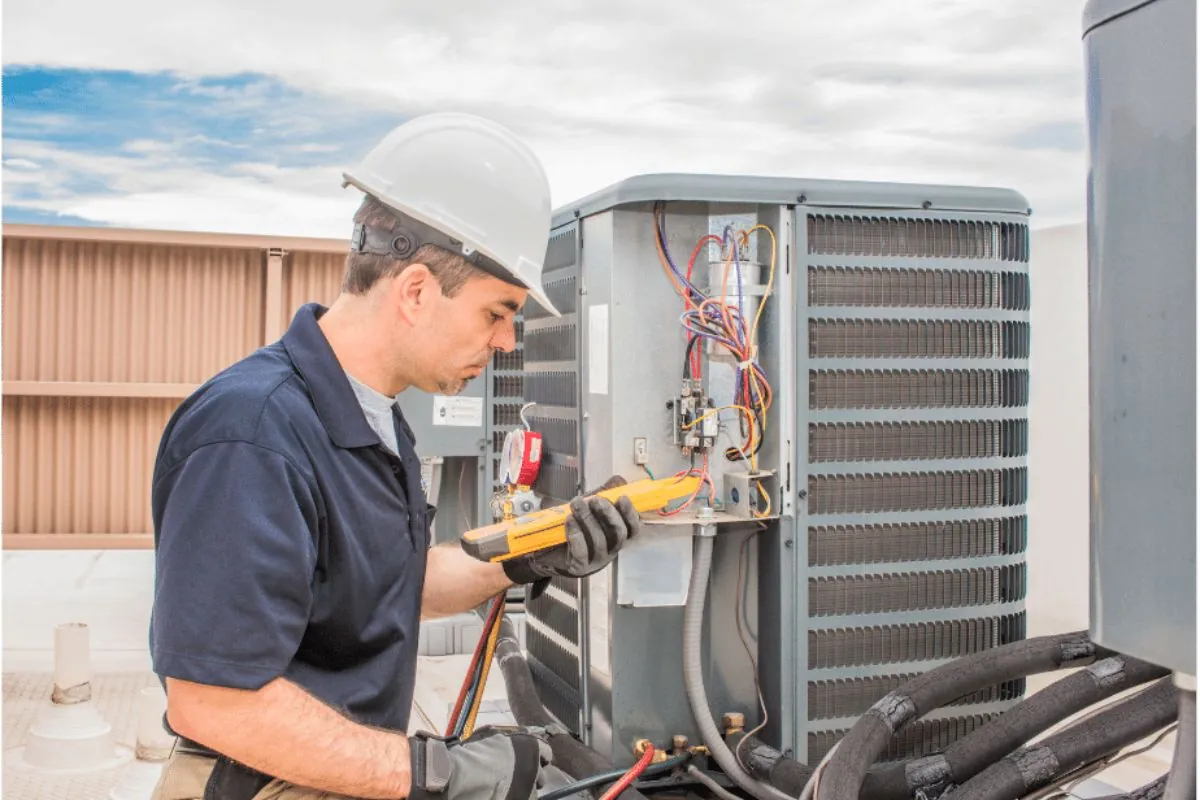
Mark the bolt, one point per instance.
(788, 543)
(705, 512)
(803, 493)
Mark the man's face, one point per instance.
(462, 333)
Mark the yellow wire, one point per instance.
(770, 280)
(767, 497)
(764, 403)
(493, 637)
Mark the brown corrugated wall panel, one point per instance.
(102, 338)
(116, 312)
(311, 278)
(80, 465)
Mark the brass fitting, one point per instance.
(734, 723)
(679, 743)
(639, 748)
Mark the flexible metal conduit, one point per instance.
(693, 673)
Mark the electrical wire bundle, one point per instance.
(717, 318)
(470, 697)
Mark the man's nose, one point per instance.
(504, 338)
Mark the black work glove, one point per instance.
(492, 764)
(596, 530)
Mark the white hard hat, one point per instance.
(473, 182)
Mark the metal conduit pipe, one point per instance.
(693, 672)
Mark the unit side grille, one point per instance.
(881, 287)
(890, 237)
(916, 541)
(506, 414)
(556, 696)
(906, 441)
(569, 586)
(513, 361)
(974, 388)
(558, 617)
(508, 386)
(911, 642)
(552, 388)
(852, 697)
(558, 435)
(872, 338)
(561, 251)
(558, 482)
(556, 343)
(556, 671)
(915, 740)
(915, 491)
(915, 591)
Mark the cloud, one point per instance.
(927, 91)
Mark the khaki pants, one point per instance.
(185, 776)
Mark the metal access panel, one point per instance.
(896, 340)
(1141, 77)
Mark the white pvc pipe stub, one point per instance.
(72, 664)
(154, 743)
(69, 734)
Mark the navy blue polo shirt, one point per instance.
(289, 541)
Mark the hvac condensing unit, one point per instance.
(846, 364)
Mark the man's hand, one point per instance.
(596, 530)
(492, 763)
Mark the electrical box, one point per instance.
(864, 431)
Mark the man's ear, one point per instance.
(412, 291)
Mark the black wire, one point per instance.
(687, 357)
(612, 777)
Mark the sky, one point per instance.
(240, 117)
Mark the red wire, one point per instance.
(632, 775)
(479, 649)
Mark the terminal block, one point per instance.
(694, 419)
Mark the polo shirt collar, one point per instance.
(332, 395)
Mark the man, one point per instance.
(292, 535)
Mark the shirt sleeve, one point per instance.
(235, 562)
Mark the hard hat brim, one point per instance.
(536, 292)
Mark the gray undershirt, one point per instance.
(378, 409)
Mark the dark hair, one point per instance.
(364, 270)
